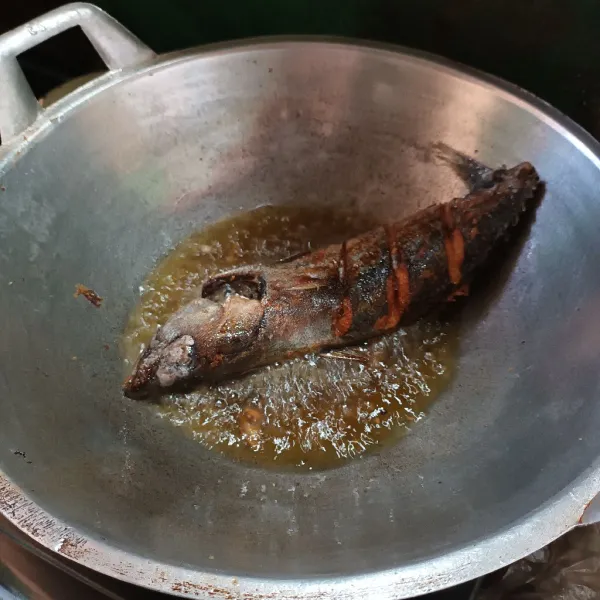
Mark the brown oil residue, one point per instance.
(314, 412)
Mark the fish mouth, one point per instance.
(141, 384)
(162, 367)
(135, 389)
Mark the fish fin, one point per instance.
(345, 355)
(310, 277)
(473, 173)
(294, 256)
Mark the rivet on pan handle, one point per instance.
(117, 47)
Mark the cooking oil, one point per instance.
(313, 412)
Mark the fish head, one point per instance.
(203, 339)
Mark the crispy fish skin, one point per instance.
(336, 296)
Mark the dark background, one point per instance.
(550, 47)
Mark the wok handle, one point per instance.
(117, 47)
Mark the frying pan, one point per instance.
(97, 187)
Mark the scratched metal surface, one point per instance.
(27, 570)
(507, 459)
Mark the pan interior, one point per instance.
(110, 189)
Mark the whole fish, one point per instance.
(335, 296)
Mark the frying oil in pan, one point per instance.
(314, 412)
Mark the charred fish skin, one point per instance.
(336, 296)
(441, 249)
